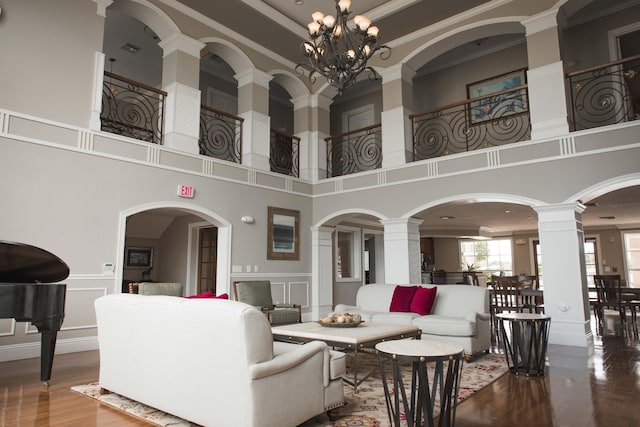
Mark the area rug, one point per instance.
(367, 408)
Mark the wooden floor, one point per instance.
(581, 389)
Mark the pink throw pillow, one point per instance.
(209, 294)
(402, 296)
(423, 299)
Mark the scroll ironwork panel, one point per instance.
(220, 134)
(284, 155)
(483, 122)
(606, 94)
(132, 109)
(356, 151)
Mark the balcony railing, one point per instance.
(355, 151)
(220, 134)
(284, 155)
(132, 109)
(501, 118)
(606, 94)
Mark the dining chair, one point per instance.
(609, 301)
(505, 297)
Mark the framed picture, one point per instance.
(283, 236)
(496, 99)
(138, 257)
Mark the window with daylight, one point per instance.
(632, 257)
(348, 259)
(489, 256)
(590, 258)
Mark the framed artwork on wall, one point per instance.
(138, 257)
(283, 235)
(496, 101)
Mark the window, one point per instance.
(490, 256)
(632, 257)
(590, 258)
(348, 253)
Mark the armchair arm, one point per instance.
(287, 360)
(483, 316)
(288, 306)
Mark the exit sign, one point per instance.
(186, 191)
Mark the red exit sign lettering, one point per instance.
(186, 191)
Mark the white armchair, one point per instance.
(212, 362)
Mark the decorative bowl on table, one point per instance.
(341, 320)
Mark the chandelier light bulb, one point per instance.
(344, 5)
(329, 21)
(337, 32)
(373, 31)
(317, 16)
(314, 28)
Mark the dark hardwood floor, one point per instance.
(598, 386)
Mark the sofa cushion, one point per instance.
(423, 300)
(401, 299)
(435, 324)
(396, 318)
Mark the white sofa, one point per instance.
(460, 314)
(212, 362)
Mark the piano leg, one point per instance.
(47, 350)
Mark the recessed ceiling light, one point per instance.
(608, 217)
(508, 211)
(299, 2)
(130, 48)
(446, 217)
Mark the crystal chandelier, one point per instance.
(338, 52)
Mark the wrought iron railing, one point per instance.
(606, 94)
(284, 155)
(220, 134)
(355, 151)
(132, 109)
(501, 118)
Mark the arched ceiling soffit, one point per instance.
(362, 217)
(476, 198)
(149, 15)
(291, 83)
(460, 36)
(233, 56)
(608, 186)
(175, 210)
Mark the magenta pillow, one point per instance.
(209, 294)
(402, 296)
(423, 299)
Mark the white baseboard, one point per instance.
(31, 350)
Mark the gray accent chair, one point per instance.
(258, 294)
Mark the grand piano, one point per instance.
(28, 294)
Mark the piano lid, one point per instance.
(21, 263)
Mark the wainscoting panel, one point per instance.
(7, 327)
(278, 292)
(299, 293)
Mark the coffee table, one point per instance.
(364, 336)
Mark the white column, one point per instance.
(320, 106)
(566, 298)
(397, 135)
(545, 77)
(321, 271)
(402, 250)
(181, 59)
(253, 107)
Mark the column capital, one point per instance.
(559, 212)
(397, 71)
(182, 43)
(102, 7)
(541, 22)
(255, 76)
(320, 101)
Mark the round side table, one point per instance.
(524, 340)
(445, 382)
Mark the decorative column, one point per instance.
(253, 107)
(401, 250)
(313, 122)
(98, 77)
(321, 271)
(180, 79)
(547, 100)
(566, 297)
(397, 105)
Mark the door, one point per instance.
(207, 259)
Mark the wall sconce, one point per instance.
(248, 219)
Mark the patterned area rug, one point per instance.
(367, 408)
